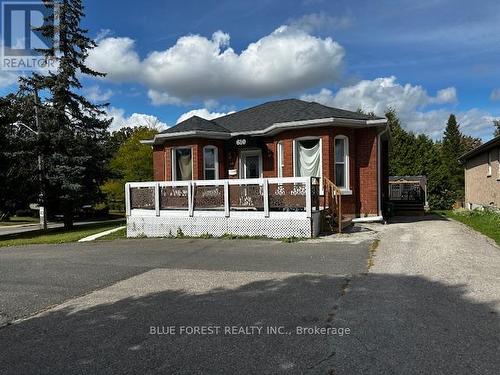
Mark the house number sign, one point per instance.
(241, 142)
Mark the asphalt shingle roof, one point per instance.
(196, 123)
(482, 148)
(264, 115)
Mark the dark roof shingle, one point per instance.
(482, 148)
(196, 123)
(264, 115)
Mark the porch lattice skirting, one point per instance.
(275, 208)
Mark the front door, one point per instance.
(251, 164)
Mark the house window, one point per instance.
(182, 164)
(489, 164)
(210, 163)
(280, 158)
(308, 161)
(342, 162)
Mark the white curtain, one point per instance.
(308, 159)
(184, 169)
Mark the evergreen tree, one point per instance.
(74, 132)
(412, 154)
(18, 160)
(451, 150)
(405, 156)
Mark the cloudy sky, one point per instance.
(167, 60)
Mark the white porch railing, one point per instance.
(296, 196)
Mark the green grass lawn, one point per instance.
(485, 222)
(56, 235)
(122, 233)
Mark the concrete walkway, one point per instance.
(430, 304)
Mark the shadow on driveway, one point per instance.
(415, 219)
(423, 327)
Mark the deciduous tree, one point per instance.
(132, 162)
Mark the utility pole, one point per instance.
(41, 197)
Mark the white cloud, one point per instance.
(95, 94)
(116, 57)
(495, 95)
(134, 120)
(380, 94)
(320, 21)
(448, 95)
(287, 60)
(159, 98)
(203, 113)
(410, 102)
(103, 33)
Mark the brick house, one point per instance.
(280, 144)
(482, 175)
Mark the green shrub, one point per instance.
(180, 233)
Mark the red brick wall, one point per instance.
(158, 163)
(162, 156)
(363, 173)
(366, 168)
(287, 137)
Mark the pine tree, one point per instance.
(18, 159)
(451, 150)
(404, 148)
(74, 130)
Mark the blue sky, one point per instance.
(425, 58)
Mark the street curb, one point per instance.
(101, 234)
(19, 225)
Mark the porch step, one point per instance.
(329, 222)
(407, 208)
(346, 222)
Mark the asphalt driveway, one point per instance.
(429, 304)
(103, 307)
(33, 278)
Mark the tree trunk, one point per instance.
(68, 216)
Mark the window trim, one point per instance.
(309, 138)
(250, 152)
(216, 161)
(488, 165)
(345, 162)
(280, 159)
(174, 161)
